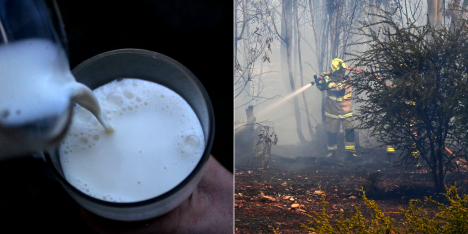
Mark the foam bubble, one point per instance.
(192, 142)
(128, 94)
(84, 140)
(115, 99)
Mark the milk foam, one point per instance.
(158, 142)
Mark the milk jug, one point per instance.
(37, 89)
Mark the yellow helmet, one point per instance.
(337, 64)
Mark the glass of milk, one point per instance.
(164, 129)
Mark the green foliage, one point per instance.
(452, 218)
(262, 149)
(412, 94)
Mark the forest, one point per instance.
(406, 62)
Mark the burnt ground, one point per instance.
(293, 182)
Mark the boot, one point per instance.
(389, 159)
(352, 157)
(331, 154)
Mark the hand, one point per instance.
(208, 210)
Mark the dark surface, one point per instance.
(198, 34)
(32, 201)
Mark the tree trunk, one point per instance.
(436, 179)
(287, 7)
(434, 168)
(283, 52)
(247, 73)
(243, 25)
(454, 13)
(374, 18)
(336, 42)
(249, 131)
(440, 8)
(300, 69)
(317, 43)
(294, 41)
(259, 78)
(324, 68)
(432, 12)
(465, 4)
(331, 22)
(318, 53)
(441, 170)
(235, 31)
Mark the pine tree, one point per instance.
(413, 94)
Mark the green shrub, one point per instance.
(452, 218)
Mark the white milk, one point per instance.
(36, 82)
(158, 142)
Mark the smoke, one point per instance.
(275, 103)
(268, 86)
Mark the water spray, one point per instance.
(285, 99)
(237, 126)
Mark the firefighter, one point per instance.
(338, 108)
(390, 147)
(401, 72)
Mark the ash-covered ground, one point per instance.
(279, 196)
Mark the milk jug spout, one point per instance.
(35, 109)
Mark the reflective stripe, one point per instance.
(340, 85)
(333, 147)
(331, 85)
(338, 116)
(339, 99)
(390, 149)
(411, 124)
(410, 103)
(350, 147)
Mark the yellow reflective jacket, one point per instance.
(338, 102)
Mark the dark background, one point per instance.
(196, 33)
